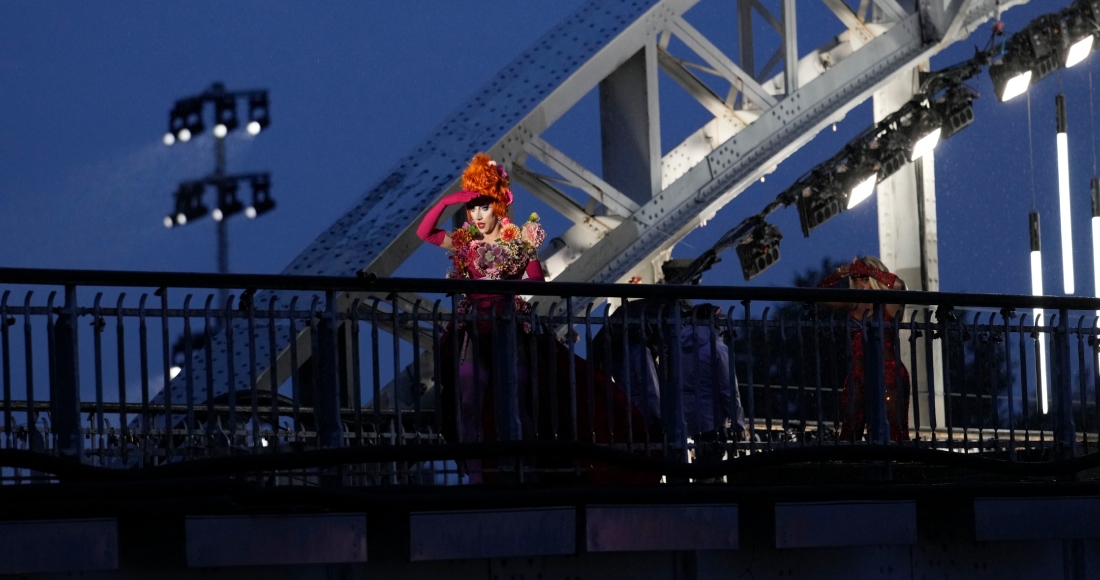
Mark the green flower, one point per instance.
(534, 217)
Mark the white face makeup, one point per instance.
(482, 216)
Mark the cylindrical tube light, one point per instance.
(1037, 290)
(1096, 238)
(1064, 214)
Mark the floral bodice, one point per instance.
(502, 259)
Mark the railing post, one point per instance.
(672, 394)
(1062, 386)
(65, 394)
(330, 434)
(504, 373)
(874, 384)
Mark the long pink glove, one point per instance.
(427, 229)
(534, 271)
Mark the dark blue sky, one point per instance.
(85, 90)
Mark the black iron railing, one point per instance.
(304, 381)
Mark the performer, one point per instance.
(491, 246)
(865, 273)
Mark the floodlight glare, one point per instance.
(169, 221)
(1079, 50)
(181, 219)
(926, 144)
(184, 135)
(261, 197)
(258, 115)
(228, 204)
(250, 212)
(1016, 86)
(220, 131)
(862, 190)
(225, 115)
(169, 138)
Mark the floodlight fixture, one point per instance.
(225, 115)
(957, 111)
(228, 203)
(261, 196)
(258, 115)
(190, 119)
(1079, 51)
(818, 200)
(759, 250)
(926, 144)
(189, 205)
(1009, 82)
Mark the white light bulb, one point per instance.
(220, 131)
(181, 219)
(253, 128)
(172, 372)
(1064, 213)
(169, 138)
(926, 144)
(1017, 86)
(1079, 51)
(250, 212)
(169, 222)
(862, 191)
(184, 135)
(217, 214)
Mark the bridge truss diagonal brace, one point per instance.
(717, 60)
(744, 158)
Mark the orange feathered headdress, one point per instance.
(486, 177)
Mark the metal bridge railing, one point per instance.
(324, 381)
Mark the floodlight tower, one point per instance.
(185, 121)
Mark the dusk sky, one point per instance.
(85, 91)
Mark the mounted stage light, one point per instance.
(189, 205)
(176, 119)
(225, 115)
(258, 115)
(1009, 83)
(1064, 211)
(261, 197)
(228, 204)
(759, 250)
(818, 202)
(1037, 313)
(859, 182)
(926, 144)
(1078, 30)
(190, 111)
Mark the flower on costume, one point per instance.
(509, 233)
(460, 238)
(533, 235)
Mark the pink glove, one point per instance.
(885, 278)
(534, 271)
(427, 229)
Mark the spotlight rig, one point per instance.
(941, 108)
(185, 118)
(1052, 41)
(190, 206)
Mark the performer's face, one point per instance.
(482, 216)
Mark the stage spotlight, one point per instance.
(759, 250)
(957, 112)
(1078, 28)
(190, 111)
(1008, 82)
(225, 115)
(258, 114)
(261, 197)
(926, 144)
(189, 205)
(228, 204)
(862, 189)
(818, 202)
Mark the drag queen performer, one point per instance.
(869, 273)
(491, 246)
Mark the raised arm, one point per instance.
(428, 230)
(842, 272)
(886, 279)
